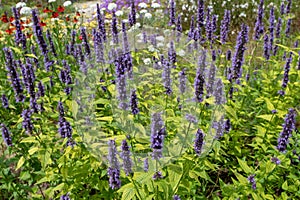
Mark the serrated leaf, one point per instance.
(20, 162)
(128, 194)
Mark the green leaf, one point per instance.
(29, 139)
(33, 150)
(31, 56)
(74, 108)
(266, 117)
(20, 163)
(59, 187)
(270, 167)
(270, 106)
(285, 185)
(231, 111)
(128, 194)
(244, 166)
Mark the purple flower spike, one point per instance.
(199, 85)
(27, 123)
(5, 102)
(176, 197)
(158, 133)
(172, 13)
(287, 129)
(146, 165)
(219, 93)
(114, 167)
(259, 27)
(134, 103)
(199, 141)
(125, 155)
(225, 26)
(182, 81)
(6, 135)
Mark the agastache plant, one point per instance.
(225, 26)
(114, 166)
(158, 133)
(27, 123)
(287, 129)
(125, 155)
(172, 13)
(199, 141)
(285, 79)
(5, 102)
(6, 135)
(13, 75)
(166, 76)
(259, 27)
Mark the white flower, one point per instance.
(67, 3)
(155, 5)
(54, 19)
(181, 52)
(20, 4)
(143, 11)
(242, 15)
(142, 5)
(148, 15)
(25, 11)
(125, 20)
(111, 6)
(119, 13)
(147, 61)
(51, 1)
(160, 44)
(160, 38)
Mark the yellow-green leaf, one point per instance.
(20, 163)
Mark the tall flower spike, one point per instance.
(114, 28)
(101, 24)
(5, 102)
(225, 26)
(211, 76)
(85, 41)
(114, 167)
(219, 93)
(166, 76)
(199, 85)
(132, 14)
(134, 103)
(266, 47)
(13, 75)
(52, 47)
(259, 27)
(6, 135)
(125, 155)
(219, 126)
(200, 14)
(287, 129)
(199, 141)
(172, 13)
(146, 165)
(172, 54)
(271, 29)
(27, 123)
(158, 133)
(178, 28)
(238, 59)
(287, 67)
(288, 28)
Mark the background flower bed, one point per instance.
(40, 165)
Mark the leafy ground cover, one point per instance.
(150, 100)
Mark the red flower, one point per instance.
(77, 14)
(10, 30)
(28, 35)
(11, 19)
(60, 9)
(80, 37)
(75, 20)
(22, 27)
(4, 18)
(47, 10)
(55, 15)
(42, 23)
(28, 21)
(67, 18)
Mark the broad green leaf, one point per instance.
(74, 108)
(29, 139)
(128, 194)
(31, 56)
(285, 185)
(33, 150)
(244, 166)
(231, 111)
(20, 163)
(270, 106)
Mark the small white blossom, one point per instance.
(142, 5)
(155, 5)
(160, 38)
(143, 11)
(111, 6)
(147, 61)
(51, 1)
(148, 15)
(67, 3)
(242, 15)
(20, 4)
(25, 11)
(119, 13)
(181, 52)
